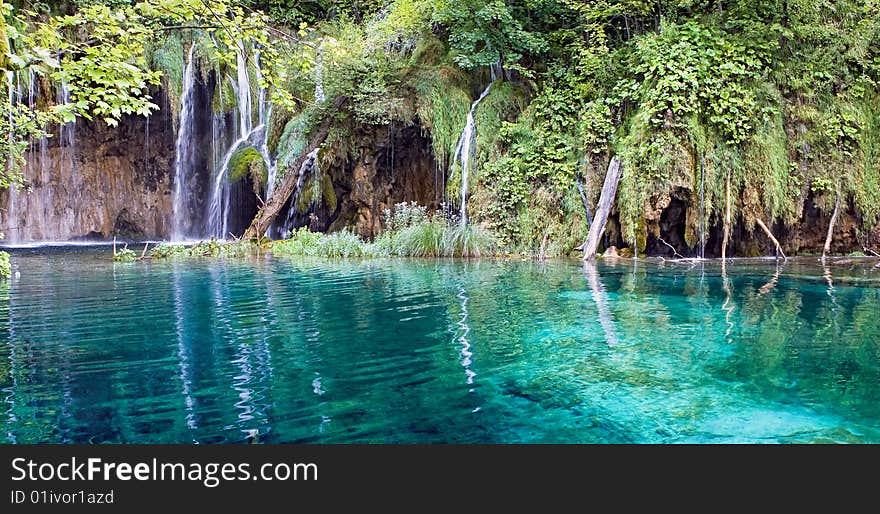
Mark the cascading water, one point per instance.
(310, 164)
(264, 111)
(247, 135)
(183, 155)
(465, 150)
(243, 91)
(308, 167)
(11, 208)
(50, 205)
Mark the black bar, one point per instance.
(388, 474)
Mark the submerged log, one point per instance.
(279, 197)
(827, 247)
(770, 235)
(606, 200)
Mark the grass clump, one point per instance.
(212, 248)
(5, 266)
(125, 255)
(410, 232)
(343, 244)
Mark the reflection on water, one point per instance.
(600, 297)
(437, 351)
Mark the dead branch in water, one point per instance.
(827, 247)
(674, 252)
(770, 235)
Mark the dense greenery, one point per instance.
(778, 98)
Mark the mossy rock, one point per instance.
(277, 123)
(223, 100)
(315, 196)
(247, 161)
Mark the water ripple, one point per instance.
(276, 350)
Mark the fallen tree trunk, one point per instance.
(606, 200)
(827, 247)
(770, 235)
(267, 213)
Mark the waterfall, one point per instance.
(11, 227)
(50, 206)
(66, 131)
(244, 92)
(466, 149)
(309, 165)
(702, 209)
(264, 110)
(218, 209)
(183, 154)
(247, 135)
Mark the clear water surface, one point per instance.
(424, 351)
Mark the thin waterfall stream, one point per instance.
(183, 154)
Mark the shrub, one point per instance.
(5, 266)
(125, 255)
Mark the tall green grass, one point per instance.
(411, 232)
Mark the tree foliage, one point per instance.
(780, 96)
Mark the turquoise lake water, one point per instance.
(423, 351)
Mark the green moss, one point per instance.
(293, 139)
(223, 100)
(771, 189)
(328, 193)
(277, 123)
(866, 180)
(429, 51)
(247, 161)
(443, 103)
(504, 102)
(168, 56)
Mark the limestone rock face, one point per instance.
(94, 181)
(391, 167)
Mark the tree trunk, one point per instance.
(770, 235)
(606, 200)
(827, 247)
(726, 220)
(267, 213)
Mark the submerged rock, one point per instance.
(610, 253)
